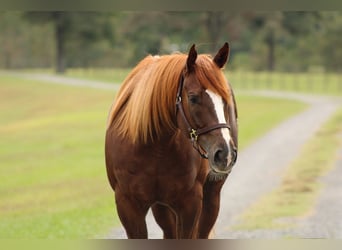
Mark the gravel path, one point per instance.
(258, 170)
(259, 166)
(63, 80)
(323, 222)
(326, 220)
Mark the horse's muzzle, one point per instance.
(223, 159)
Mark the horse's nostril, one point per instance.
(217, 155)
(220, 156)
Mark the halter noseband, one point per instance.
(194, 133)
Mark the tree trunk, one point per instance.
(8, 61)
(270, 41)
(215, 22)
(60, 30)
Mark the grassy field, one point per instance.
(53, 180)
(299, 188)
(51, 161)
(317, 83)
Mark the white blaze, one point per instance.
(219, 108)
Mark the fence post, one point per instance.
(308, 81)
(325, 82)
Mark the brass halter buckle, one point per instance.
(193, 135)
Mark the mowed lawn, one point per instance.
(53, 179)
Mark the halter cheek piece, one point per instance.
(194, 133)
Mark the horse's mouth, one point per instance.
(217, 171)
(217, 175)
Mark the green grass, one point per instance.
(299, 188)
(53, 179)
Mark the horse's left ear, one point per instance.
(192, 56)
(222, 56)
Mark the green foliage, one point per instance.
(332, 43)
(282, 41)
(76, 32)
(144, 33)
(24, 45)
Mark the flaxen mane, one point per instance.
(145, 104)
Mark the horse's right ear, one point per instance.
(190, 62)
(222, 56)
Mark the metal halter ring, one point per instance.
(193, 134)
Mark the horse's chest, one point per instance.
(175, 177)
(170, 187)
(157, 173)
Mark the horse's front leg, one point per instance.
(132, 215)
(166, 219)
(188, 210)
(210, 208)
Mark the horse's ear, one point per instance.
(222, 56)
(192, 56)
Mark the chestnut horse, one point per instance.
(171, 142)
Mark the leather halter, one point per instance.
(194, 133)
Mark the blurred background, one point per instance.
(281, 42)
(260, 41)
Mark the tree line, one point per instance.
(274, 41)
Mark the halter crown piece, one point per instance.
(194, 133)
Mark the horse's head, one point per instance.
(206, 108)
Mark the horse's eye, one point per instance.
(194, 99)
